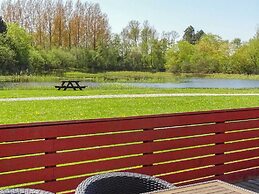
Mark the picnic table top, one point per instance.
(74, 84)
(70, 80)
(209, 187)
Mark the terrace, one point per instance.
(181, 148)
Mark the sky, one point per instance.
(228, 18)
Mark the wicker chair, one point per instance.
(121, 183)
(24, 191)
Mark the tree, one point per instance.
(132, 32)
(37, 62)
(199, 35)
(237, 42)
(257, 32)
(235, 45)
(251, 52)
(157, 56)
(7, 60)
(246, 59)
(113, 54)
(49, 13)
(20, 44)
(170, 37)
(3, 27)
(68, 23)
(147, 38)
(192, 37)
(211, 55)
(189, 35)
(178, 58)
(59, 24)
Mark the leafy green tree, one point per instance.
(3, 27)
(157, 56)
(113, 56)
(20, 42)
(246, 58)
(7, 60)
(254, 52)
(51, 62)
(211, 55)
(178, 58)
(148, 37)
(135, 59)
(237, 42)
(37, 63)
(64, 60)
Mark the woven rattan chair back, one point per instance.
(121, 183)
(24, 191)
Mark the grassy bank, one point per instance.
(34, 111)
(231, 76)
(125, 76)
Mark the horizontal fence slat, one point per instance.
(204, 172)
(200, 162)
(87, 142)
(239, 176)
(77, 156)
(92, 167)
(26, 177)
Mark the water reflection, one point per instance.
(203, 83)
(188, 83)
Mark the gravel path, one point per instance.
(117, 96)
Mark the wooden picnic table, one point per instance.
(209, 187)
(74, 84)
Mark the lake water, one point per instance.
(203, 83)
(188, 83)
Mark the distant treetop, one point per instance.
(190, 35)
(3, 27)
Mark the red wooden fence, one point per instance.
(180, 148)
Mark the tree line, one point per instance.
(55, 36)
(212, 54)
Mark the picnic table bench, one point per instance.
(74, 84)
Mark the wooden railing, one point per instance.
(180, 148)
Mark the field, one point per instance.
(35, 111)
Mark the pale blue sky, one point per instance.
(227, 18)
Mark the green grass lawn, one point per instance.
(34, 111)
(110, 89)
